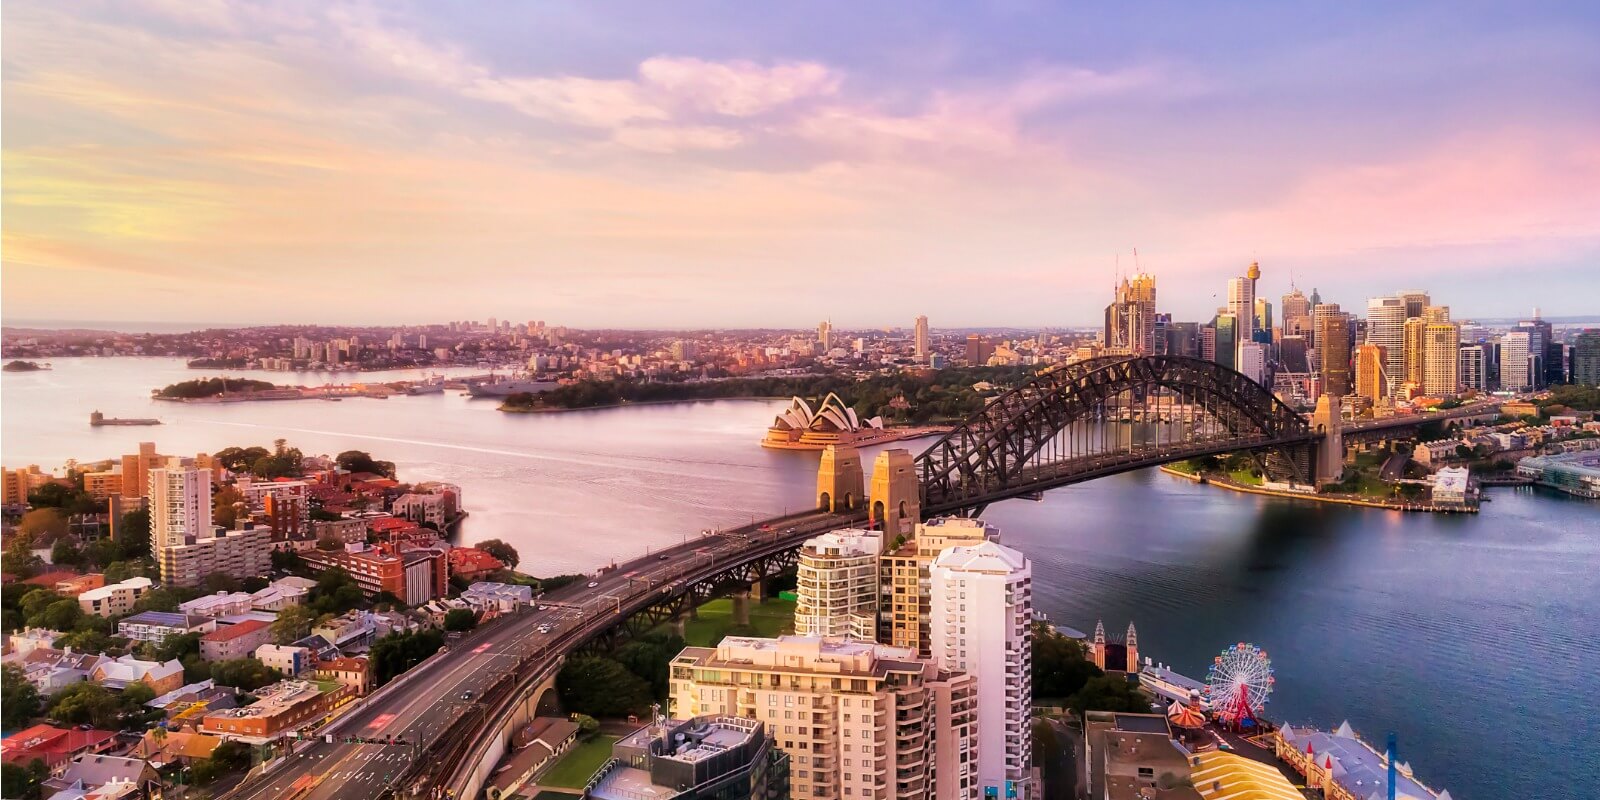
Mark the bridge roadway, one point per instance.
(430, 698)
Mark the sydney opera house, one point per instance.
(800, 427)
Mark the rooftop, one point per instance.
(228, 633)
(168, 619)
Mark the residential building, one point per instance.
(374, 570)
(235, 641)
(857, 719)
(355, 673)
(1473, 368)
(1516, 362)
(837, 585)
(51, 670)
(354, 630)
(103, 484)
(1136, 756)
(282, 593)
(236, 553)
(498, 598)
(78, 584)
(1371, 382)
(279, 708)
(112, 777)
(221, 604)
(115, 599)
(27, 640)
(178, 747)
(180, 506)
(982, 624)
(156, 626)
(54, 746)
(472, 564)
(119, 673)
(434, 504)
(920, 339)
(15, 484)
(343, 531)
(290, 660)
(1441, 359)
(706, 758)
(903, 575)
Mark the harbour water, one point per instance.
(1472, 637)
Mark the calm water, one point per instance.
(1472, 637)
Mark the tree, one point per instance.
(176, 646)
(288, 561)
(245, 674)
(1108, 693)
(69, 499)
(1060, 665)
(239, 459)
(101, 553)
(165, 598)
(225, 506)
(23, 781)
(586, 724)
(33, 603)
(133, 534)
(19, 701)
(85, 641)
(335, 593)
(398, 652)
(328, 544)
(359, 461)
(460, 619)
(292, 623)
(231, 755)
(64, 552)
(219, 582)
(253, 584)
(650, 657)
(505, 552)
(602, 687)
(43, 526)
(86, 704)
(62, 615)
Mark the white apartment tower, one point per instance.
(1516, 371)
(837, 585)
(982, 624)
(180, 504)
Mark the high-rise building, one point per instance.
(1292, 354)
(825, 335)
(1296, 314)
(979, 349)
(903, 620)
(1433, 314)
(1227, 340)
(982, 624)
(1183, 339)
(1415, 339)
(837, 585)
(1370, 381)
(1586, 358)
(180, 505)
(857, 719)
(1516, 361)
(1131, 317)
(920, 338)
(1333, 348)
(1386, 321)
(1441, 360)
(1242, 304)
(1415, 301)
(1473, 368)
(1253, 361)
(1263, 324)
(187, 546)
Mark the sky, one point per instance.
(694, 164)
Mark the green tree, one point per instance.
(34, 602)
(219, 582)
(292, 623)
(85, 641)
(1060, 665)
(288, 561)
(398, 652)
(86, 704)
(62, 615)
(359, 461)
(602, 687)
(176, 646)
(335, 593)
(133, 534)
(65, 553)
(499, 549)
(22, 781)
(650, 657)
(586, 724)
(101, 553)
(245, 674)
(69, 499)
(239, 459)
(460, 619)
(165, 598)
(1108, 693)
(19, 701)
(226, 505)
(43, 526)
(231, 755)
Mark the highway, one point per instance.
(432, 696)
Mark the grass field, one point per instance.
(770, 617)
(579, 764)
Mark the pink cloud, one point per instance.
(737, 88)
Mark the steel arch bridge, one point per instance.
(1052, 430)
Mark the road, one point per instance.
(433, 696)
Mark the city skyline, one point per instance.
(205, 162)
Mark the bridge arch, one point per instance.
(1023, 442)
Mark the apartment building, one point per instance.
(904, 577)
(837, 585)
(857, 719)
(114, 599)
(239, 640)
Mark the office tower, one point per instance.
(1333, 347)
(1292, 354)
(825, 335)
(1183, 338)
(1296, 314)
(1433, 314)
(978, 350)
(1516, 362)
(1370, 382)
(982, 624)
(1586, 358)
(1242, 304)
(1130, 319)
(1415, 302)
(1263, 324)
(857, 719)
(837, 585)
(1441, 360)
(1208, 341)
(1386, 321)
(1253, 361)
(1414, 337)
(1473, 368)
(903, 621)
(920, 337)
(1540, 335)
(1227, 340)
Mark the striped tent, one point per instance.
(1219, 775)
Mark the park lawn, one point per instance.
(1245, 477)
(580, 763)
(771, 617)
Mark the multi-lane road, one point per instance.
(433, 696)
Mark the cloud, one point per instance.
(672, 139)
(580, 101)
(737, 88)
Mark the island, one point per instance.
(24, 366)
(211, 387)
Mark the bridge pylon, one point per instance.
(895, 498)
(1330, 450)
(841, 485)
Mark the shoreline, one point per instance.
(1314, 497)
(628, 403)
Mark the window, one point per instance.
(1147, 772)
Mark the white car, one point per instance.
(593, 584)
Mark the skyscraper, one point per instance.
(982, 624)
(1415, 339)
(1540, 335)
(1296, 314)
(1242, 303)
(1516, 362)
(1227, 340)
(1370, 382)
(1131, 317)
(1386, 321)
(1473, 368)
(920, 337)
(836, 585)
(1415, 302)
(1586, 358)
(825, 335)
(1253, 361)
(903, 619)
(1441, 360)
(1333, 347)
(180, 505)
(1263, 325)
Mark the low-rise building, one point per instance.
(533, 747)
(1429, 454)
(1575, 473)
(343, 531)
(51, 670)
(220, 604)
(114, 599)
(77, 585)
(282, 593)
(1344, 767)
(121, 672)
(1451, 486)
(125, 777)
(27, 640)
(353, 672)
(54, 746)
(156, 626)
(290, 660)
(472, 564)
(1133, 757)
(497, 598)
(705, 758)
(235, 641)
(175, 747)
(353, 630)
(279, 708)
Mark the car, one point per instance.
(663, 557)
(593, 584)
(466, 695)
(792, 530)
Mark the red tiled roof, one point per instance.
(51, 744)
(471, 559)
(386, 524)
(228, 633)
(50, 579)
(343, 664)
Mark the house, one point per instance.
(287, 660)
(235, 641)
(187, 704)
(88, 772)
(534, 747)
(497, 598)
(353, 630)
(156, 626)
(28, 640)
(54, 746)
(282, 593)
(115, 790)
(353, 672)
(51, 670)
(74, 586)
(388, 622)
(472, 564)
(162, 747)
(116, 674)
(114, 599)
(220, 604)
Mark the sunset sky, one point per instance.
(694, 164)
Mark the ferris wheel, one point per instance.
(1238, 685)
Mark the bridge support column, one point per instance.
(1330, 451)
(840, 482)
(741, 607)
(678, 621)
(895, 499)
(758, 590)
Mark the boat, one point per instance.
(97, 419)
(505, 387)
(433, 385)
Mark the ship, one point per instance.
(433, 385)
(97, 419)
(505, 387)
